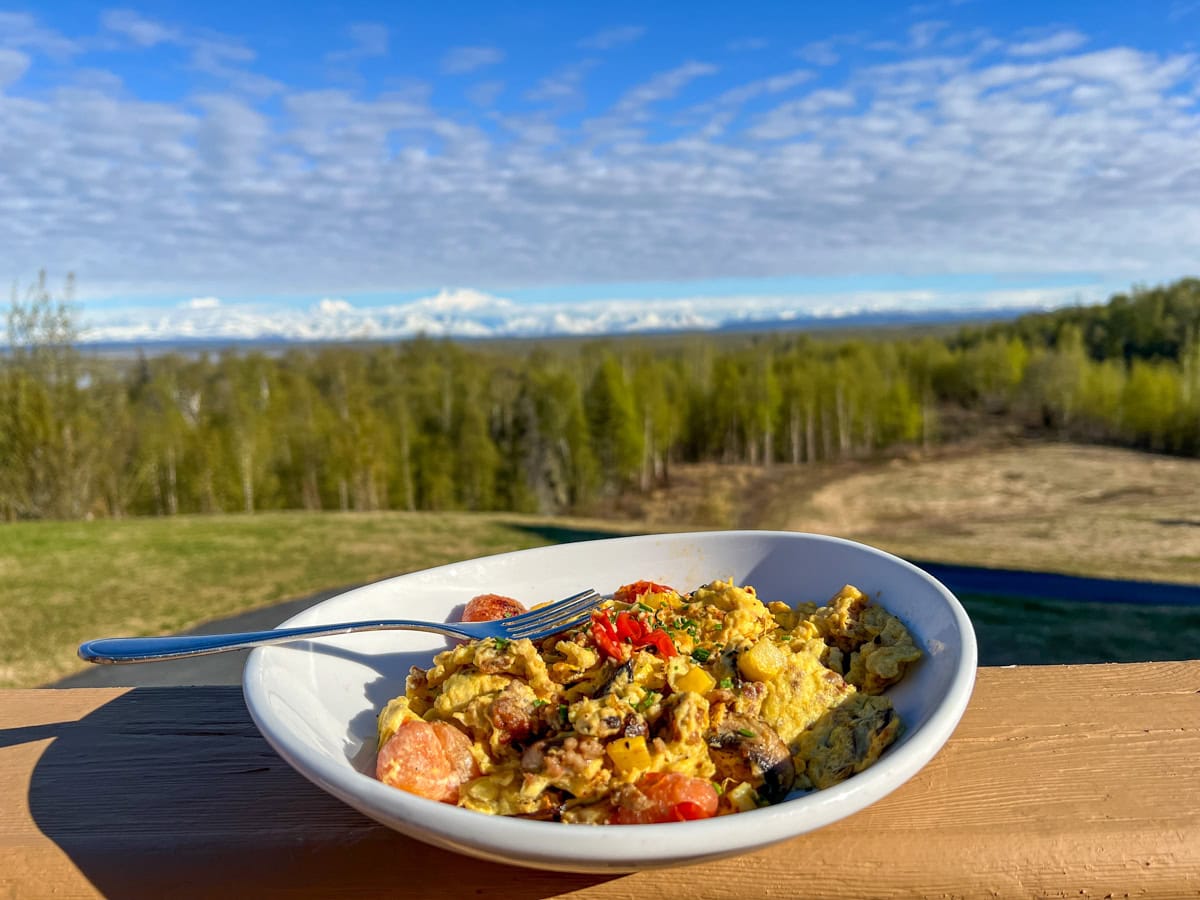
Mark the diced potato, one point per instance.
(763, 661)
(696, 680)
(629, 754)
(742, 797)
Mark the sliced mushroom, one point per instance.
(620, 677)
(748, 749)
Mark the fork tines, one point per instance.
(558, 616)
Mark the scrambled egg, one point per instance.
(749, 700)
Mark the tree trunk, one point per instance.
(794, 434)
(843, 424)
(647, 455)
(246, 461)
(172, 486)
(810, 435)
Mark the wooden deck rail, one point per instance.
(1061, 781)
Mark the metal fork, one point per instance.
(534, 625)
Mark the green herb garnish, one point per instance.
(647, 701)
(701, 655)
(745, 732)
(725, 683)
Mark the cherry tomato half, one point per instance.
(669, 797)
(488, 607)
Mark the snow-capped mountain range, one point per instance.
(467, 313)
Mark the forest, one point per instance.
(556, 425)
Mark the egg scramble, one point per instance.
(665, 706)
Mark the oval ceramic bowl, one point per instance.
(317, 702)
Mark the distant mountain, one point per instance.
(880, 319)
(853, 321)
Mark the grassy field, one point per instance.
(65, 582)
(1054, 508)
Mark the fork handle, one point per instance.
(108, 651)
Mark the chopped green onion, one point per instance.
(745, 732)
(725, 683)
(538, 704)
(501, 643)
(700, 654)
(644, 608)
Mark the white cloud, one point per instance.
(137, 28)
(938, 161)
(13, 65)
(368, 39)
(563, 85)
(613, 37)
(819, 53)
(923, 34)
(800, 116)
(202, 303)
(485, 93)
(228, 61)
(462, 60)
(1059, 42)
(21, 30)
(1181, 9)
(663, 86)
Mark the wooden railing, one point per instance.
(1062, 781)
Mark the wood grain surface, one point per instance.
(1061, 781)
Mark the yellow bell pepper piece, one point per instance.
(696, 679)
(629, 754)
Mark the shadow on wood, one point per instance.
(220, 793)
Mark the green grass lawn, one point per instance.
(1089, 511)
(62, 583)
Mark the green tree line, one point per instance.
(553, 426)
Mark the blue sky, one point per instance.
(479, 168)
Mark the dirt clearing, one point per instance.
(1081, 510)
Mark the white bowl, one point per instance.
(316, 702)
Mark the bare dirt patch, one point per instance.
(1095, 511)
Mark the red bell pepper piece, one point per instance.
(604, 633)
(617, 639)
